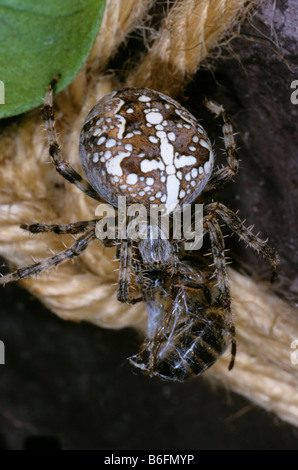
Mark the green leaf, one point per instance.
(38, 40)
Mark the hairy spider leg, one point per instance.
(59, 229)
(217, 247)
(62, 167)
(126, 255)
(223, 175)
(75, 250)
(245, 234)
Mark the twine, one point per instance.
(31, 191)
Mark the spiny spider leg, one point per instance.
(63, 168)
(224, 175)
(217, 247)
(245, 234)
(73, 228)
(75, 250)
(124, 280)
(124, 271)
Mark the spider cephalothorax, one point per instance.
(142, 145)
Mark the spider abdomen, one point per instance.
(141, 144)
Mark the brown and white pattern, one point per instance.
(143, 145)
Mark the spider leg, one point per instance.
(224, 299)
(224, 175)
(245, 234)
(75, 250)
(63, 168)
(73, 228)
(125, 281)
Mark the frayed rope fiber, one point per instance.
(31, 191)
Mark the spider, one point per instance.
(143, 145)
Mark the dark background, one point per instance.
(69, 386)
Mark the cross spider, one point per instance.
(143, 145)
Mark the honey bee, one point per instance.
(188, 328)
